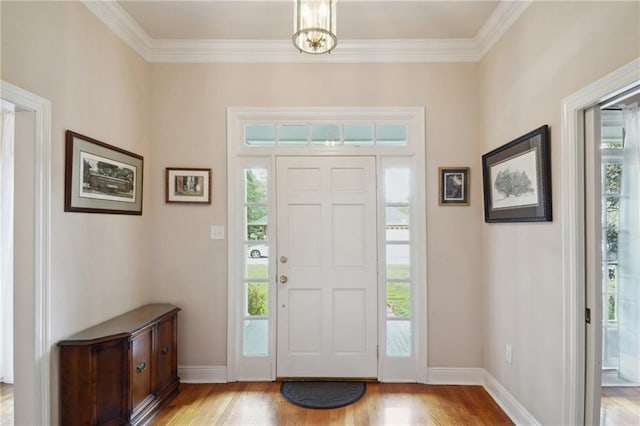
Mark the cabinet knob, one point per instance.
(164, 350)
(141, 367)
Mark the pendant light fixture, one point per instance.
(314, 26)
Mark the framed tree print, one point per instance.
(517, 180)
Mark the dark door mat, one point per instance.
(322, 395)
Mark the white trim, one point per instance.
(504, 15)
(455, 376)
(202, 373)
(42, 241)
(282, 51)
(122, 24)
(573, 251)
(509, 404)
(238, 154)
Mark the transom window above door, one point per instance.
(325, 134)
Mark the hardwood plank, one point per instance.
(6, 404)
(261, 403)
(620, 406)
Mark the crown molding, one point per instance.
(504, 15)
(122, 24)
(279, 51)
(283, 51)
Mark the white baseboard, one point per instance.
(202, 374)
(516, 412)
(455, 376)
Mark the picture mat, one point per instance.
(83, 145)
(449, 182)
(93, 160)
(204, 177)
(525, 162)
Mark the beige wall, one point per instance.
(98, 87)
(189, 130)
(174, 115)
(554, 50)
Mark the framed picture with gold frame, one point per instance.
(454, 186)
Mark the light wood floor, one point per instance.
(620, 406)
(6, 404)
(383, 404)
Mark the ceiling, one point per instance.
(273, 19)
(260, 30)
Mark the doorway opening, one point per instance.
(31, 255)
(619, 152)
(276, 158)
(7, 130)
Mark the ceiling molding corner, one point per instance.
(504, 15)
(122, 24)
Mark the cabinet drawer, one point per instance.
(167, 362)
(141, 369)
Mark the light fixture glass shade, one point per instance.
(314, 26)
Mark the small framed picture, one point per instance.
(188, 186)
(101, 178)
(454, 186)
(517, 180)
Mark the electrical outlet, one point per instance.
(508, 354)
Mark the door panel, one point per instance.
(327, 308)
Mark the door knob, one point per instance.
(283, 279)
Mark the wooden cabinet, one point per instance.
(122, 371)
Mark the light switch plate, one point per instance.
(217, 232)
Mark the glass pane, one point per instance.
(256, 338)
(613, 202)
(397, 185)
(613, 172)
(256, 186)
(259, 134)
(358, 134)
(398, 261)
(398, 338)
(325, 134)
(391, 134)
(292, 135)
(257, 299)
(257, 263)
(612, 132)
(397, 223)
(256, 223)
(398, 300)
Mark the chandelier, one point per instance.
(314, 26)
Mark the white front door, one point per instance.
(327, 267)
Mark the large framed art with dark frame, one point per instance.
(517, 180)
(101, 178)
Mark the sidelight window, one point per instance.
(255, 329)
(397, 182)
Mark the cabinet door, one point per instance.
(142, 382)
(167, 361)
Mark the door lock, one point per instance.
(283, 279)
(284, 259)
